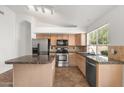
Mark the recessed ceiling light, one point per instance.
(47, 11)
(39, 9)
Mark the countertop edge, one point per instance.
(32, 61)
(108, 62)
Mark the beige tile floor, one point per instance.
(6, 79)
(69, 77)
(64, 77)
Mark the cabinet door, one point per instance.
(72, 39)
(42, 36)
(83, 39)
(81, 63)
(39, 36)
(72, 59)
(65, 36)
(59, 36)
(53, 39)
(78, 39)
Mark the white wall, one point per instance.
(24, 39)
(15, 36)
(8, 46)
(25, 26)
(115, 19)
(57, 30)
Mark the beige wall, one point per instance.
(119, 56)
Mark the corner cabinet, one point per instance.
(80, 39)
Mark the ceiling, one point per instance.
(67, 15)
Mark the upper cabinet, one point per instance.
(40, 36)
(80, 39)
(83, 39)
(53, 38)
(59, 36)
(66, 36)
(73, 39)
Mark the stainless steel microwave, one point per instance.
(62, 42)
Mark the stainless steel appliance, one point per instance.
(62, 57)
(91, 72)
(62, 42)
(41, 46)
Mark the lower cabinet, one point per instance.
(78, 60)
(72, 59)
(109, 75)
(81, 63)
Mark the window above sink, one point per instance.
(97, 41)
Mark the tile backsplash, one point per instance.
(116, 53)
(71, 48)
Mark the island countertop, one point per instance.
(31, 59)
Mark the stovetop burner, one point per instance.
(62, 50)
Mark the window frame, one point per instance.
(97, 37)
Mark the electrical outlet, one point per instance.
(113, 51)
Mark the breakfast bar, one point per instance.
(33, 71)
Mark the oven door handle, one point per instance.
(91, 64)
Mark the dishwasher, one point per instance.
(91, 72)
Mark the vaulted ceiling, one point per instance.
(67, 15)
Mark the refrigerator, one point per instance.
(41, 46)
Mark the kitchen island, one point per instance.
(33, 71)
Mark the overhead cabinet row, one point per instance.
(74, 39)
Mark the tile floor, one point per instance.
(69, 77)
(6, 79)
(64, 77)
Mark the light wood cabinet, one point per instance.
(81, 63)
(34, 75)
(72, 39)
(59, 36)
(65, 36)
(72, 59)
(83, 39)
(53, 38)
(78, 39)
(42, 36)
(78, 60)
(109, 75)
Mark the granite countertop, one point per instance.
(100, 59)
(31, 59)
